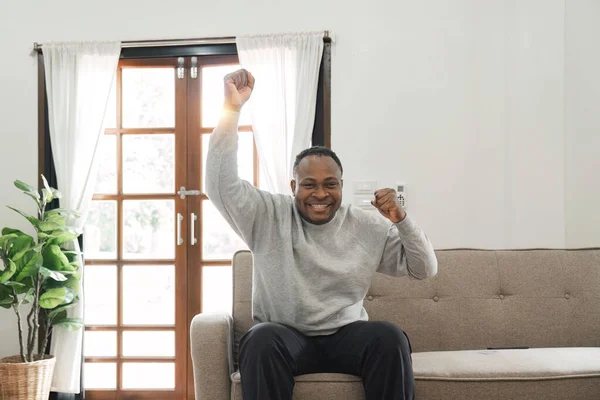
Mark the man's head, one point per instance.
(317, 184)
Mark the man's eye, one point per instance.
(332, 185)
(308, 186)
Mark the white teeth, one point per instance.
(319, 206)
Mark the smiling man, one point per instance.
(317, 184)
(314, 259)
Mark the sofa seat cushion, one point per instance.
(315, 387)
(525, 364)
(314, 378)
(540, 373)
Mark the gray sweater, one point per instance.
(311, 277)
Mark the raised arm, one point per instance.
(408, 250)
(246, 208)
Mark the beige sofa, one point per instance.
(547, 300)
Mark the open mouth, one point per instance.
(319, 207)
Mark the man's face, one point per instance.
(317, 188)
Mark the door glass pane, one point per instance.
(100, 344)
(100, 375)
(245, 157)
(148, 376)
(149, 295)
(149, 344)
(212, 95)
(100, 231)
(149, 229)
(100, 285)
(148, 97)
(149, 163)
(217, 290)
(219, 240)
(106, 181)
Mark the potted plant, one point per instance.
(42, 272)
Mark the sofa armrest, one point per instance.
(211, 338)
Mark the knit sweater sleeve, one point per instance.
(408, 251)
(248, 210)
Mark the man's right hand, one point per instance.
(238, 88)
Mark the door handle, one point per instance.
(179, 238)
(182, 192)
(193, 219)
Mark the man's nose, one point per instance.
(320, 192)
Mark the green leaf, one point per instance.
(34, 221)
(62, 314)
(54, 259)
(35, 196)
(10, 270)
(6, 297)
(20, 246)
(55, 193)
(28, 298)
(64, 212)
(7, 301)
(6, 240)
(63, 235)
(21, 289)
(30, 268)
(57, 276)
(72, 283)
(26, 188)
(48, 226)
(54, 313)
(47, 195)
(14, 284)
(8, 231)
(20, 254)
(55, 297)
(59, 219)
(69, 272)
(45, 182)
(70, 324)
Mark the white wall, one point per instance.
(463, 101)
(483, 108)
(582, 128)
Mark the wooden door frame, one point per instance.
(180, 262)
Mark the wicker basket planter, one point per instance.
(26, 381)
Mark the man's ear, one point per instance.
(293, 186)
(342, 184)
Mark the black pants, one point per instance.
(272, 354)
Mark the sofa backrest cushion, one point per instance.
(478, 299)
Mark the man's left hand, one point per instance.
(386, 201)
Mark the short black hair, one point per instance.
(319, 151)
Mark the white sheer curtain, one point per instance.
(79, 77)
(282, 106)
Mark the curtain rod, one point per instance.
(178, 42)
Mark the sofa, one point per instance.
(514, 324)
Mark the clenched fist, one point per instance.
(386, 201)
(238, 88)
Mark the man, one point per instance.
(313, 263)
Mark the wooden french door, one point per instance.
(157, 251)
